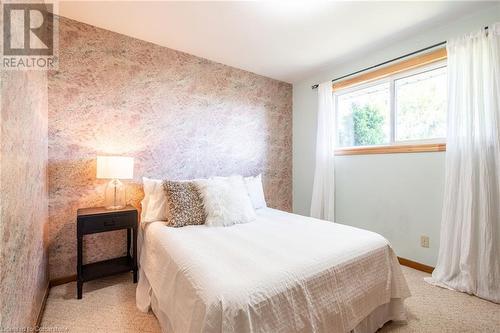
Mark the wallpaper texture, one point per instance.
(23, 197)
(178, 115)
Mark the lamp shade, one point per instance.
(115, 167)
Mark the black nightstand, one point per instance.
(99, 219)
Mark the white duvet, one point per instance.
(280, 273)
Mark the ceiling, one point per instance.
(283, 40)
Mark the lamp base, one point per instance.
(115, 196)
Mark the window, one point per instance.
(405, 108)
(420, 105)
(363, 117)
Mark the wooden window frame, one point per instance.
(392, 149)
(419, 146)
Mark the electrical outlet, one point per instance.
(424, 241)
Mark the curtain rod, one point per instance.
(387, 62)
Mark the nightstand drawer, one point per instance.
(101, 223)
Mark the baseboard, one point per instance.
(415, 265)
(62, 280)
(42, 306)
(403, 261)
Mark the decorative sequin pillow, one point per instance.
(185, 206)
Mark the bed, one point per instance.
(280, 273)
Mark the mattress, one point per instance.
(280, 273)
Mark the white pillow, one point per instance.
(226, 201)
(255, 191)
(154, 204)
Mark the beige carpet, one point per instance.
(108, 305)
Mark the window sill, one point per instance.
(392, 149)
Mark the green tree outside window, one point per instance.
(367, 122)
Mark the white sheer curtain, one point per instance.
(469, 253)
(322, 202)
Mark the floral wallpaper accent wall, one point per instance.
(178, 115)
(24, 274)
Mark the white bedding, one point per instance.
(280, 273)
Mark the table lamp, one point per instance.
(115, 168)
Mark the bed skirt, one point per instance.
(392, 311)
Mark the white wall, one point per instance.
(396, 195)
